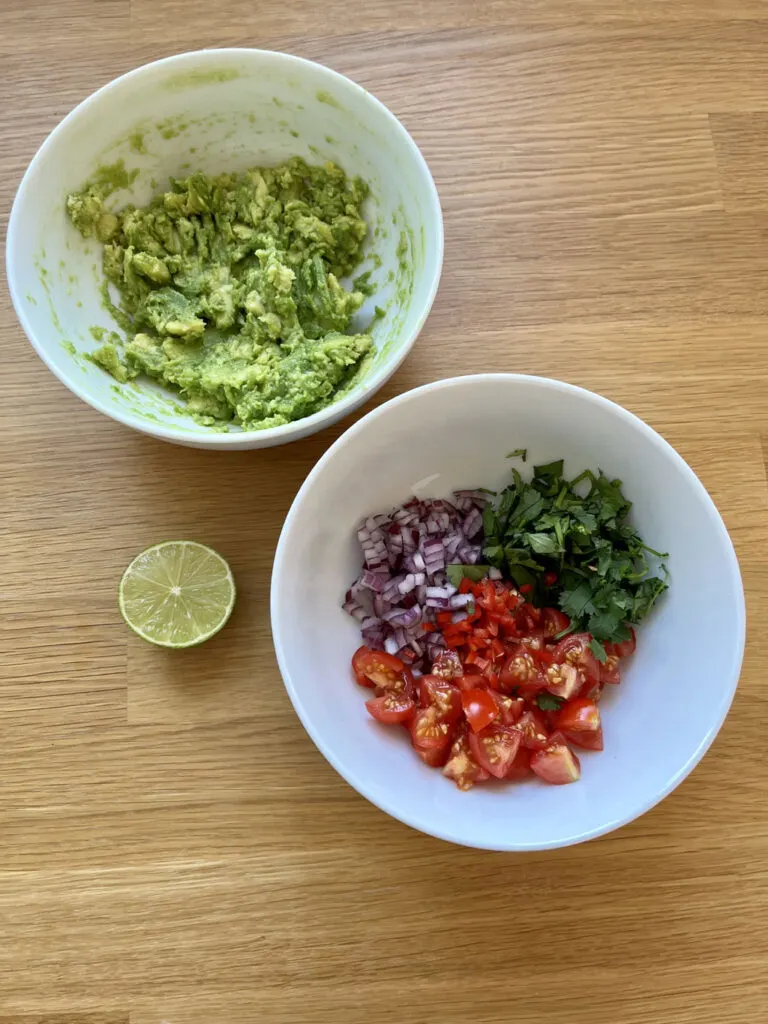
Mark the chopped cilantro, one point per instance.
(598, 650)
(456, 573)
(578, 530)
(548, 701)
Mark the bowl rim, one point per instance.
(389, 805)
(244, 438)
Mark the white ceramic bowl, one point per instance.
(675, 693)
(218, 110)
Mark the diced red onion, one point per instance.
(477, 497)
(404, 583)
(374, 581)
(405, 617)
(472, 524)
(408, 584)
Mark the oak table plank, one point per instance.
(172, 846)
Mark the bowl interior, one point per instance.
(217, 111)
(456, 434)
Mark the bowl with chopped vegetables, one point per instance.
(226, 249)
(508, 612)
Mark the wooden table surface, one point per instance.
(172, 846)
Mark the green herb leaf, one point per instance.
(519, 453)
(604, 622)
(456, 573)
(578, 529)
(489, 522)
(548, 701)
(577, 602)
(541, 543)
(598, 650)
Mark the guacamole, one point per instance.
(229, 288)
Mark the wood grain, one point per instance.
(172, 846)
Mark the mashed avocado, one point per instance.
(229, 288)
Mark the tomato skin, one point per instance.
(533, 730)
(470, 680)
(574, 650)
(556, 764)
(521, 670)
(461, 766)
(563, 680)
(494, 748)
(480, 709)
(593, 691)
(527, 619)
(379, 669)
(391, 708)
(358, 659)
(435, 757)
(520, 766)
(579, 715)
(437, 692)
(625, 647)
(586, 740)
(553, 621)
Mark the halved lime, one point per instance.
(177, 594)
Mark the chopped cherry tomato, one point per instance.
(575, 650)
(508, 625)
(553, 621)
(494, 748)
(461, 766)
(579, 715)
(391, 708)
(437, 692)
(563, 680)
(488, 598)
(435, 757)
(470, 680)
(476, 713)
(527, 619)
(521, 766)
(593, 691)
(429, 730)
(479, 707)
(377, 668)
(557, 764)
(534, 641)
(625, 648)
(609, 669)
(448, 665)
(510, 708)
(357, 662)
(521, 670)
(587, 740)
(533, 729)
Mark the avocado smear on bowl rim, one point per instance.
(229, 288)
